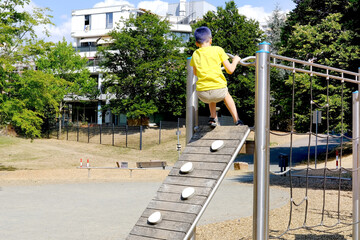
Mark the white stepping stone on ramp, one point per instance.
(187, 192)
(155, 218)
(187, 168)
(217, 145)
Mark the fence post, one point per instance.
(100, 128)
(160, 133)
(192, 118)
(262, 139)
(88, 132)
(356, 165)
(141, 128)
(113, 140)
(77, 132)
(126, 132)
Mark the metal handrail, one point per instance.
(311, 64)
(243, 61)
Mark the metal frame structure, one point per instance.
(262, 127)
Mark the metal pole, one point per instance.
(262, 140)
(356, 164)
(100, 127)
(88, 132)
(113, 132)
(160, 133)
(77, 132)
(126, 132)
(192, 118)
(316, 136)
(141, 129)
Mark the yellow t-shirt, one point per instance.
(207, 61)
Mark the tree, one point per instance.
(65, 64)
(144, 68)
(237, 35)
(330, 42)
(17, 31)
(274, 25)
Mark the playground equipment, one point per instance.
(172, 218)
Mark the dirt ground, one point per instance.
(45, 161)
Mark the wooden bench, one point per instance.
(120, 166)
(151, 164)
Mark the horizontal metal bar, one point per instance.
(313, 64)
(243, 61)
(314, 73)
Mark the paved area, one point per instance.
(300, 151)
(96, 211)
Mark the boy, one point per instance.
(211, 86)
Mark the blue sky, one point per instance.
(61, 10)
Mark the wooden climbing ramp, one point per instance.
(185, 193)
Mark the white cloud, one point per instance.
(157, 6)
(257, 13)
(112, 3)
(57, 32)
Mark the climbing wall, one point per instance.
(186, 191)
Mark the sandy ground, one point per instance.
(52, 161)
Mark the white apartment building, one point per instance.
(90, 28)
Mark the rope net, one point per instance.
(330, 180)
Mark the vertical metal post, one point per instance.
(126, 132)
(88, 132)
(192, 118)
(141, 129)
(100, 128)
(77, 132)
(160, 133)
(113, 132)
(316, 136)
(262, 139)
(356, 164)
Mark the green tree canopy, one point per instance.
(144, 68)
(237, 35)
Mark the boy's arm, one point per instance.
(194, 70)
(230, 67)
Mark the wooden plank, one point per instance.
(189, 181)
(168, 188)
(201, 157)
(206, 150)
(207, 143)
(157, 233)
(176, 197)
(172, 216)
(204, 165)
(134, 237)
(165, 225)
(197, 173)
(175, 207)
(218, 136)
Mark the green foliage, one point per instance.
(144, 68)
(275, 23)
(237, 35)
(61, 60)
(329, 43)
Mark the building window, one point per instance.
(109, 20)
(87, 22)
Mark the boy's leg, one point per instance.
(230, 104)
(212, 107)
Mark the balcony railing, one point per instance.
(86, 49)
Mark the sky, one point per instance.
(61, 10)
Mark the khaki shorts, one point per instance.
(209, 96)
